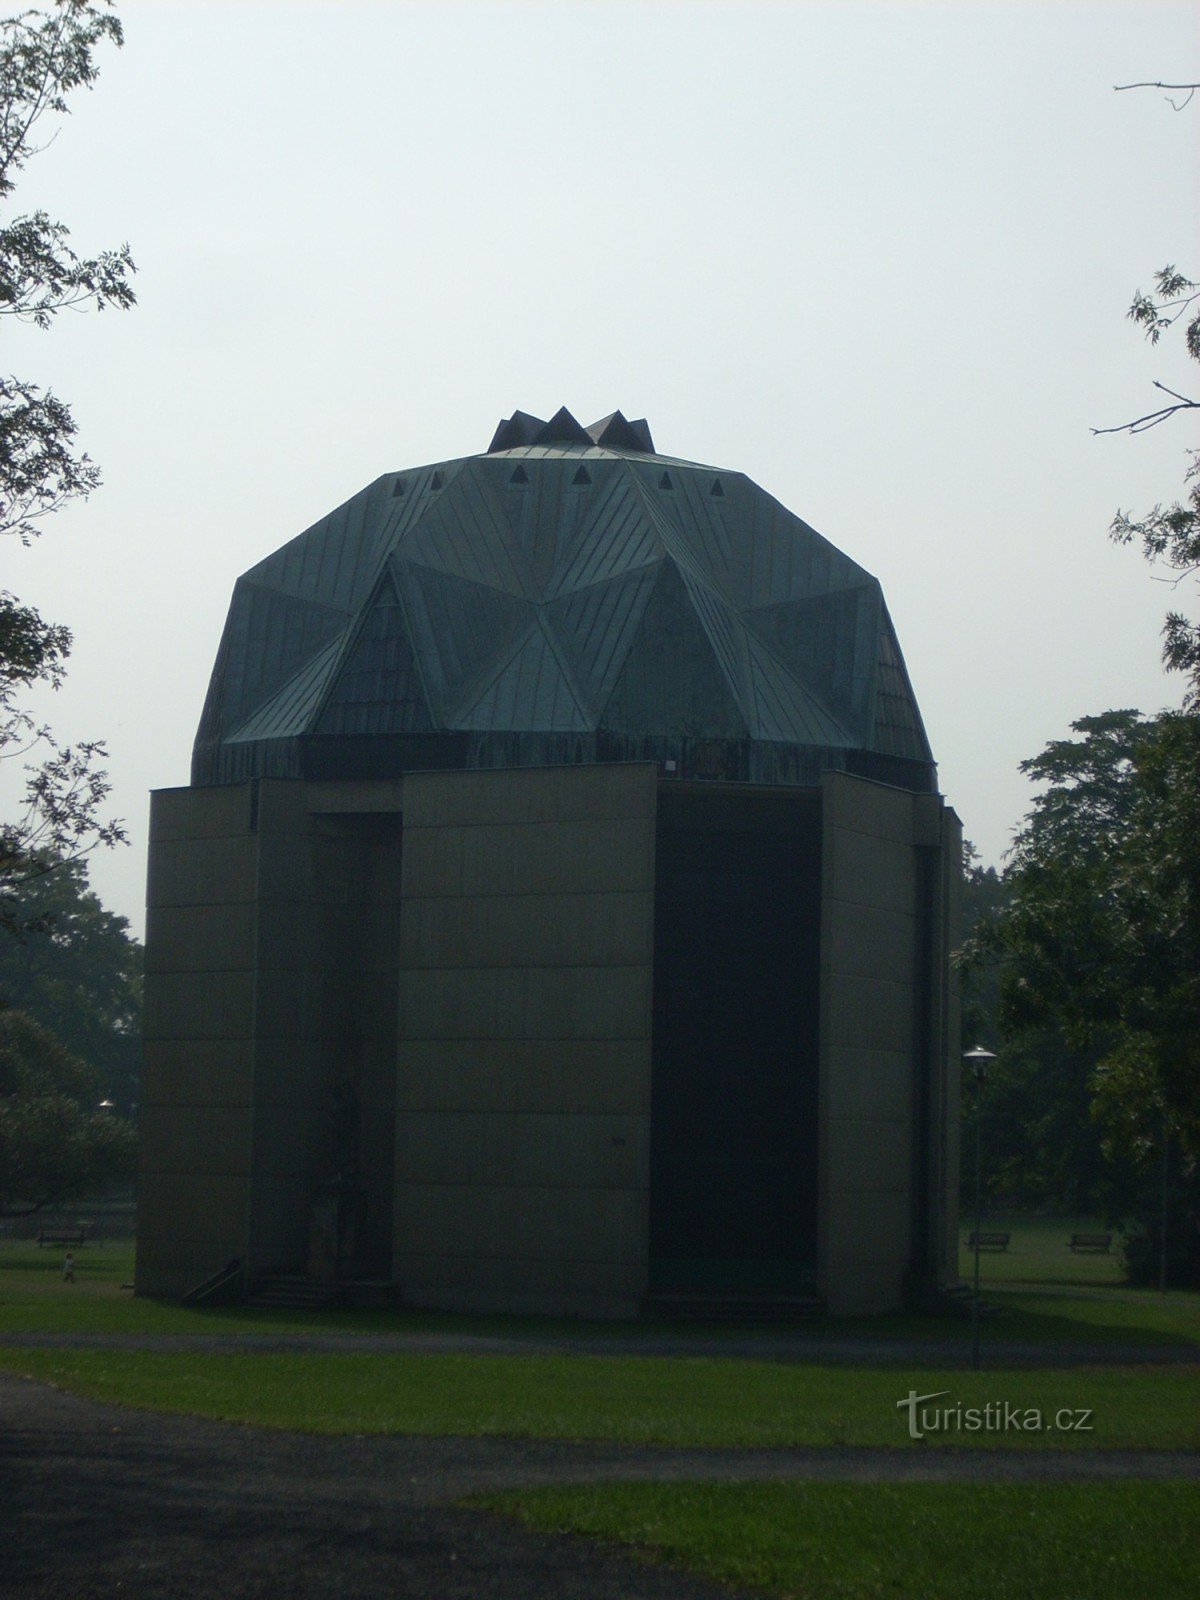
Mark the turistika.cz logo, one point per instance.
(997, 1416)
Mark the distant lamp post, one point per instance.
(977, 1061)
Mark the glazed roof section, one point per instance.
(575, 582)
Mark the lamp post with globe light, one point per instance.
(977, 1060)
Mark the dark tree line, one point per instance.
(1084, 955)
(69, 974)
(44, 56)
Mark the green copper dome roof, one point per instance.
(569, 595)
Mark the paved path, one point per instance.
(98, 1501)
(762, 1347)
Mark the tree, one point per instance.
(80, 976)
(56, 1140)
(1102, 929)
(983, 896)
(1100, 945)
(43, 57)
(1170, 534)
(1043, 1146)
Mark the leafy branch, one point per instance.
(1176, 295)
(1170, 534)
(43, 57)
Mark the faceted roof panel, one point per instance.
(569, 594)
(376, 687)
(533, 684)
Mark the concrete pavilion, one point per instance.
(558, 917)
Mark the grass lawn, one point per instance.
(639, 1399)
(687, 1401)
(1039, 1252)
(936, 1541)
(34, 1299)
(825, 1541)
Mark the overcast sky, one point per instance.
(876, 256)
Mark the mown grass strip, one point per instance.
(34, 1299)
(935, 1541)
(632, 1399)
(1039, 1251)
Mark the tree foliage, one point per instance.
(56, 1141)
(1102, 927)
(1092, 952)
(80, 975)
(983, 898)
(1098, 945)
(1043, 1146)
(44, 56)
(1169, 533)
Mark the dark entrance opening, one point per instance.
(733, 1131)
(359, 890)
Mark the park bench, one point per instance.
(62, 1236)
(1091, 1241)
(990, 1241)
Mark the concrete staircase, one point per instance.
(293, 1291)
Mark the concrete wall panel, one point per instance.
(869, 1156)
(203, 871)
(194, 1206)
(170, 1265)
(267, 971)
(497, 1148)
(592, 1076)
(870, 1013)
(199, 1005)
(867, 1230)
(875, 811)
(589, 856)
(190, 814)
(212, 1140)
(865, 1084)
(521, 1288)
(198, 1029)
(887, 956)
(532, 929)
(195, 938)
(869, 1041)
(866, 1291)
(513, 1223)
(524, 1047)
(564, 1003)
(869, 871)
(197, 1072)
